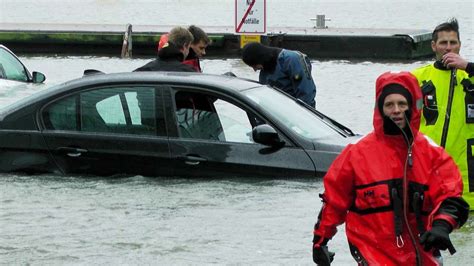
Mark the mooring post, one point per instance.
(127, 42)
(320, 21)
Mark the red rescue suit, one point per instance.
(365, 184)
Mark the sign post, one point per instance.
(250, 20)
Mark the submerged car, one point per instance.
(11, 68)
(168, 124)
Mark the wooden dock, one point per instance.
(318, 43)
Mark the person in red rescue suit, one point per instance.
(398, 192)
(198, 47)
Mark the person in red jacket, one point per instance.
(398, 192)
(198, 47)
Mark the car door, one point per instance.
(108, 130)
(213, 138)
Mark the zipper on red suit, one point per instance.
(409, 165)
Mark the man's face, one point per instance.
(185, 50)
(448, 41)
(199, 48)
(394, 107)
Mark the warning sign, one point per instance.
(244, 39)
(250, 16)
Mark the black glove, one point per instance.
(321, 254)
(438, 237)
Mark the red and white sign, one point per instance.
(250, 16)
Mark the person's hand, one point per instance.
(321, 254)
(454, 60)
(438, 237)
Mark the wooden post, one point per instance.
(127, 42)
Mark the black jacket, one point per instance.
(170, 58)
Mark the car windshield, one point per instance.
(299, 119)
(11, 68)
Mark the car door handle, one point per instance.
(192, 159)
(71, 151)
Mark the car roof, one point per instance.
(224, 83)
(233, 83)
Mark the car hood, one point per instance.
(327, 149)
(334, 143)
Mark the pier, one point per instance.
(318, 43)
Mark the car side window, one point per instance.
(121, 110)
(203, 116)
(62, 115)
(109, 110)
(11, 68)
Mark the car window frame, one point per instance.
(160, 131)
(172, 89)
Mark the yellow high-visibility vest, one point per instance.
(448, 117)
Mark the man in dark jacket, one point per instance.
(198, 47)
(171, 56)
(287, 70)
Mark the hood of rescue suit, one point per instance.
(408, 81)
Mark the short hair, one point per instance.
(199, 35)
(180, 37)
(451, 25)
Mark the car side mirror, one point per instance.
(266, 135)
(38, 77)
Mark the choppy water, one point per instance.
(49, 220)
(52, 220)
